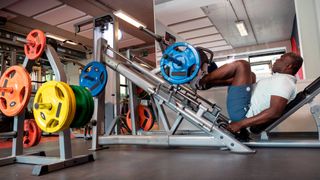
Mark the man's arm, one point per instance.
(277, 106)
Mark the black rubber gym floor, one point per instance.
(136, 162)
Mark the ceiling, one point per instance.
(206, 23)
(211, 23)
(58, 17)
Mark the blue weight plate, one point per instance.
(180, 63)
(94, 77)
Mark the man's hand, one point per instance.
(234, 127)
(277, 106)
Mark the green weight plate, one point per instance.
(86, 106)
(90, 105)
(81, 107)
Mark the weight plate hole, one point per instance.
(102, 77)
(59, 93)
(35, 34)
(38, 48)
(191, 69)
(146, 114)
(167, 70)
(3, 102)
(12, 73)
(22, 94)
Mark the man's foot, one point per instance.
(243, 135)
(195, 83)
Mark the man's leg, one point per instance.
(236, 73)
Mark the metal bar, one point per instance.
(161, 140)
(13, 58)
(99, 102)
(285, 144)
(65, 144)
(3, 64)
(116, 78)
(37, 160)
(131, 75)
(56, 64)
(17, 143)
(7, 160)
(44, 169)
(162, 115)
(5, 135)
(112, 126)
(315, 111)
(139, 67)
(72, 61)
(133, 102)
(175, 125)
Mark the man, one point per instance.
(251, 103)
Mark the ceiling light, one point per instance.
(242, 28)
(122, 15)
(119, 34)
(59, 38)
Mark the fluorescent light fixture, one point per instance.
(242, 28)
(122, 15)
(59, 38)
(119, 34)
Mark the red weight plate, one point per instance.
(30, 133)
(146, 119)
(36, 42)
(15, 90)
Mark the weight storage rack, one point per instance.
(43, 164)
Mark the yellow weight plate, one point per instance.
(72, 105)
(54, 106)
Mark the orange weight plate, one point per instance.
(146, 120)
(15, 90)
(36, 42)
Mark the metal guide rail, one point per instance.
(186, 104)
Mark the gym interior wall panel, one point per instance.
(309, 35)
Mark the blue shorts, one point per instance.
(238, 101)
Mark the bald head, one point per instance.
(296, 61)
(288, 63)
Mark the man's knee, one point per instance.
(253, 77)
(242, 64)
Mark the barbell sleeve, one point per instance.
(174, 60)
(6, 89)
(43, 106)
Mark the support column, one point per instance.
(308, 20)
